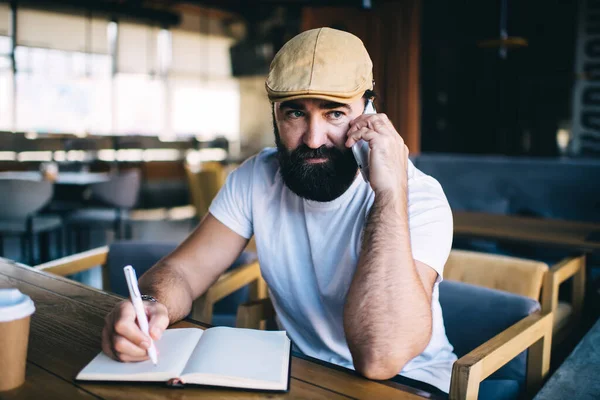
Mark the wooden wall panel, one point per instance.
(391, 33)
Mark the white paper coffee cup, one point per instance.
(15, 316)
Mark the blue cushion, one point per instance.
(474, 314)
(140, 255)
(229, 305)
(480, 245)
(545, 187)
(499, 389)
(223, 320)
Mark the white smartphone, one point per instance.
(361, 148)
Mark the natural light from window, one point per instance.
(165, 83)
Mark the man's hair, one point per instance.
(369, 94)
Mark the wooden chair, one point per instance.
(142, 255)
(530, 329)
(204, 182)
(533, 279)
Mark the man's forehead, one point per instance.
(303, 104)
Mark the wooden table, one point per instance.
(568, 235)
(577, 377)
(64, 178)
(65, 336)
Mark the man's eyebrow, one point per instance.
(292, 104)
(330, 105)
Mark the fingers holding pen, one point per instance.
(158, 319)
(119, 348)
(128, 351)
(122, 339)
(126, 326)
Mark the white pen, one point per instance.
(138, 305)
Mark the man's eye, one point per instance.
(295, 114)
(336, 114)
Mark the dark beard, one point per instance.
(324, 181)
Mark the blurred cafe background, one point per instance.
(120, 119)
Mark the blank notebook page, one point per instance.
(174, 347)
(241, 353)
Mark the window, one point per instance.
(6, 82)
(205, 99)
(50, 30)
(167, 82)
(137, 49)
(63, 73)
(6, 76)
(189, 106)
(5, 20)
(200, 55)
(60, 91)
(139, 105)
(5, 46)
(205, 109)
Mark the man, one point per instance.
(352, 266)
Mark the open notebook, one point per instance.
(220, 356)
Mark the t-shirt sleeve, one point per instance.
(430, 221)
(233, 204)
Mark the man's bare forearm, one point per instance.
(187, 273)
(387, 315)
(169, 287)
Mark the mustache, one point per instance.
(304, 152)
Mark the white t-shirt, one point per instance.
(308, 252)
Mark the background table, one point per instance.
(65, 336)
(64, 178)
(577, 377)
(568, 235)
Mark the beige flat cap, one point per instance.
(321, 63)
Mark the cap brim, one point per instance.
(320, 96)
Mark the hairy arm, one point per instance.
(178, 279)
(387, 315)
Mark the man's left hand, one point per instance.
(388, 161)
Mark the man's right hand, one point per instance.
(122, 338)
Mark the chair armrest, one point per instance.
(228, 283)
(76, 262)
(253, 314)
(533, 332)
(565, 269)
(511, 274)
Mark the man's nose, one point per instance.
(316, 134)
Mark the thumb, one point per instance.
(158, 319)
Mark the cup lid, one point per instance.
(14, 305)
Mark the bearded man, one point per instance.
(352, 266)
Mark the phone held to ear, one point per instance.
(361, 148)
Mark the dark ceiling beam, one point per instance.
(238, 6)
(133, 10)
